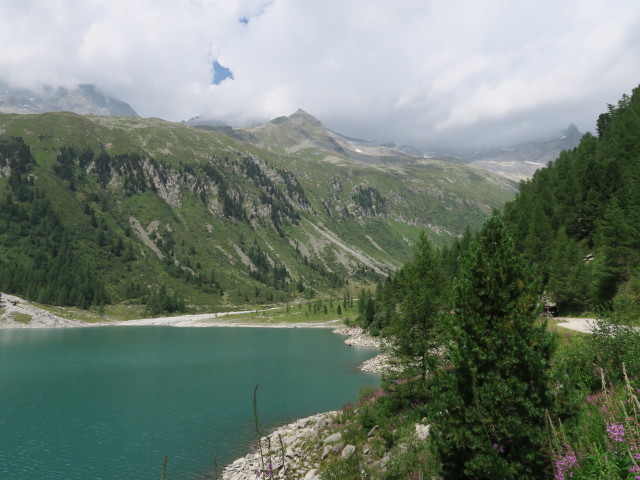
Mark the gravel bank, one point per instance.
(17, 313)
(298, 456)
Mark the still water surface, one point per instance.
(109, 402)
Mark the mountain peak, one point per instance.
(572, 134)
(572, 129)
(305, 117)
(301, 113)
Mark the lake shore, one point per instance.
(19, 313)
(304, 440)
(294, 450)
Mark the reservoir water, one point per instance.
(109, 402)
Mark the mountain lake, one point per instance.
(110, 402)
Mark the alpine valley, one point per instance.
(105, 210)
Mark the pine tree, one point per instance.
(415, 329)
(495, 395)
(569, 275)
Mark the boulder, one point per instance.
(348, 451)
(337, 448)
(327, 450)
(311, 474)
(334, 437)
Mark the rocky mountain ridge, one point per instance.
(303, 134)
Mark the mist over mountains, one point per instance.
(84, 99)
(520, 161)
(301, 132)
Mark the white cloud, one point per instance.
(421, 72)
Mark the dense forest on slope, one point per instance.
(578, 219)
(576, 222)
(42, 260)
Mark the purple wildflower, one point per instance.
(498, 448)
(564, 464)
(595, 398)
(616, 432)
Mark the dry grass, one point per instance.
(20, 317)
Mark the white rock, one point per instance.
(327, 450)
(348, 451)
(422, 431)
(311, 474)
(335, 437)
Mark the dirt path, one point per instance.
(584, 325)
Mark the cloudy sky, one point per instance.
(421, 72)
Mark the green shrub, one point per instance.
(414, 462)
(346, 469)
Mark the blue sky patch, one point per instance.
(220, 73)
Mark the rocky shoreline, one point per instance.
(287, 452)
(297, 450)
(357, 337)
(14, 308)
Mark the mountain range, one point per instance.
(301, 133)
(136, 205)
(521, 161)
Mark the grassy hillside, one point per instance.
(160, 213)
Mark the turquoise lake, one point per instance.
(109, 402)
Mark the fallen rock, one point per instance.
(348, 451)
(327, 450)
(311, 474)
(334, 437)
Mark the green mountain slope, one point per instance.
(150, 211)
